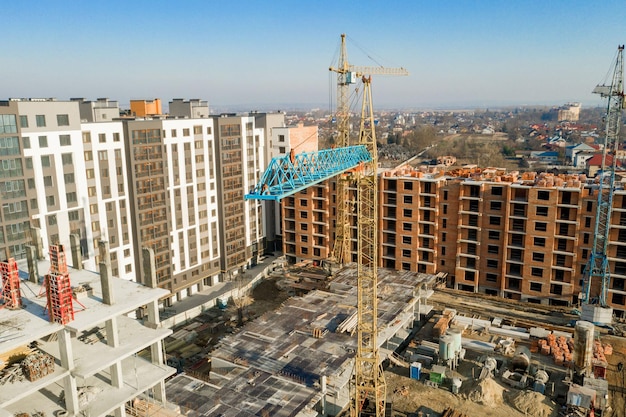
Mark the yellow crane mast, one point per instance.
(346, 75)
(370, 388)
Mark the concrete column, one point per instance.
(36, 239)
(105, 273)
(149, 268)
(33, 269)
(69, 382)
(77, 258)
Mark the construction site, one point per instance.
(345, 337)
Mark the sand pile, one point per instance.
(532, 403)
(487, 392)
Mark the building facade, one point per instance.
(526, 237)
(240, 164)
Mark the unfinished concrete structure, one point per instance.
(298, 360)
(521, 236)
(95, 368)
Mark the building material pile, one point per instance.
(33, 367)
(37, 365)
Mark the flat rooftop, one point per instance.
(22, 326)
(273, 365)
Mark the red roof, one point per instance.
(596, 160)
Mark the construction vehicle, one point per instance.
(288, 174)
(595, 308)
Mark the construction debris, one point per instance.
(33, 367)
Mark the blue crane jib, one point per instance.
(286, 175)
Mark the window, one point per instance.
(495, 205)
(408, 185)
(445, 209)
(89, 172)
(304, 215)
(186, 132)
(304, 238)
(443, 237)
(494, 249)
(407, 227)
(586, 238)
(541, 226)
(406, 240)
(65, 140)
(31, 183)
(542, 211)
(63, 120)
(91, 191)
(197, 130)
(539, 257)
(52, 220)
(589, 205)
(585, 253)
(494, 220)
(492, 263)
(47, 181)
(535, 286)
(281, 138)
(50, 200)
(406, 253)
(23, 121)
(86, 137)
(41, 120)
(543, 195)
(102, 155)
(496, 190)
(587, 221)
(536, 272)
(45, 161)
(43, 141)
(494, 235)
(491, 277)
(281, 149)
(444, 223)
(69, 178)
(408, 199)
(26, 142)
(66, 158)
(209, 131)
(304, 226)
(102, 137)
(540, 241)
(71, 197)
(408, 213)
(88, 156)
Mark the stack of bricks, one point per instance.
(37, 365)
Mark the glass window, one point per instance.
(23, 121)
(41, 120)
(45, 161)
(26, 142)
(8, 123)
(63, 120)
(43, 141)
(66, 158)
(65, 140)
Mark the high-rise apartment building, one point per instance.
(174, 190)
(143, 108)
(526, 237)
(240, 164)
(194, 108)
(74, 182)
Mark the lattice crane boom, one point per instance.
(598, 265)
(348, 74)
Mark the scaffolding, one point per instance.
(58, 287)
(10, 290)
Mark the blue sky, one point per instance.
(277, 53)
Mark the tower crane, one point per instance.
(288, 174)
(595, 308)
(348, 74)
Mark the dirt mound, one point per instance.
(532, 403)
(487, 392)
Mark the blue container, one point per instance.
(416, 370)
